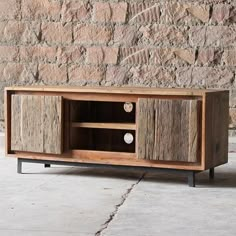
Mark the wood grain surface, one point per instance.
(168, 130)
(216, 129)
(124, 126)
(36, 123)
(115, 90)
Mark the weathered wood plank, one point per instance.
(168, 130)
(36, 123)
(31, 123)
(216, 128)
(115, 90)
(52, 124)
(26, 123)
(194, 131)
(16, 142)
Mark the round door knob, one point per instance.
(128, 106)
(128, 138)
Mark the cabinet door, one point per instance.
(168, 130)
(36, 123)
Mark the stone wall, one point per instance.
(156, 43)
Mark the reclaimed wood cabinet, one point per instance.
(183, 130)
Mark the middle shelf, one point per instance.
(99, 125)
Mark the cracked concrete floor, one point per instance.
(61, 201)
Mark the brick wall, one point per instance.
(156, 43)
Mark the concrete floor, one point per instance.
(62, 201)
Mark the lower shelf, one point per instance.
(106, 157)
(102, 140)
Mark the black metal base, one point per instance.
(19, 165)
(212, 173)
(191, 179)
(190, 173)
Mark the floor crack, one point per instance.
(123, 199)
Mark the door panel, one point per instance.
(168, 130)
(36, 123)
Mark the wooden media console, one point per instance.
(183, 130)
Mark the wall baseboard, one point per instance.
(2, 144)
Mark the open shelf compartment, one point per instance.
(101, 112)
(101, 140)
(102, 126)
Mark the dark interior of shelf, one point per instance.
(101, 140)
(93, 111)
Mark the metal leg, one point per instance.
(212, 173)
(19, 166)
(191, 179)
(190, 174)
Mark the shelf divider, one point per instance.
(122, 126)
